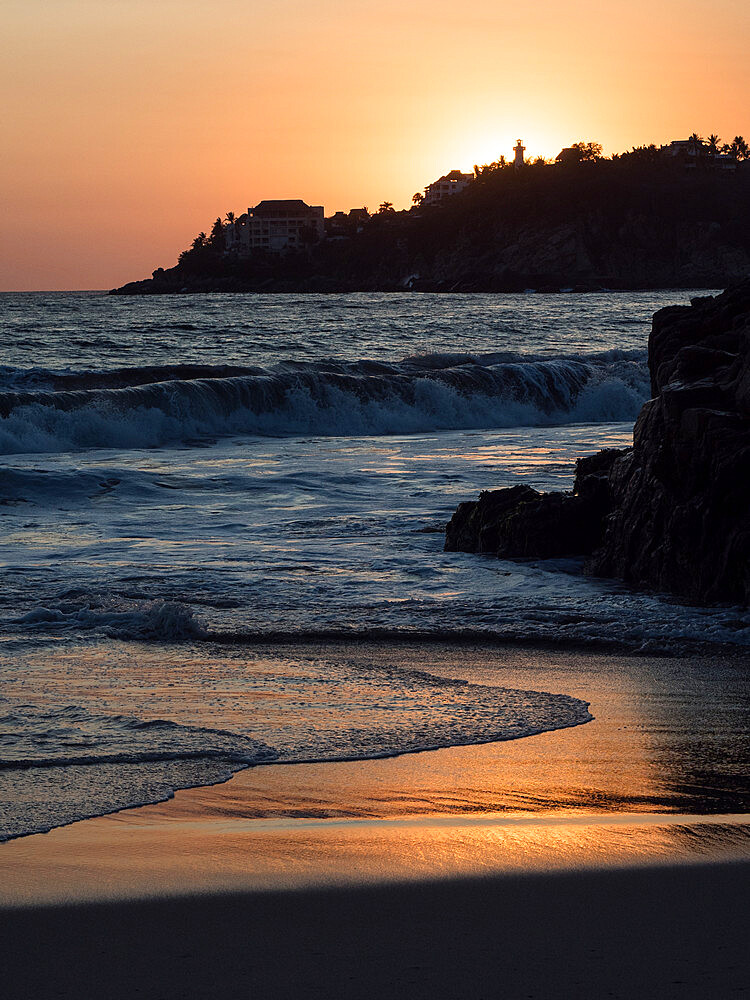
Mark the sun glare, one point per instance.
(485, 145)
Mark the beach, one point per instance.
(375, 576)
(261, 735)
(590, 861)
(644, 933)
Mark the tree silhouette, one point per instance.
(230, 217)
(740, 148)
(385, 207)
(490, 168)
(589, 151)
(417, 198)
(580, 152)
(713, 144)
(216, 239)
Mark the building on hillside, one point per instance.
(518, 150)
(360, 217)
(446, 187)
(284, 225)
(694, 153)
(688, 151)
(276, 226)
(347, 223)
(571, 154)
(724, 161)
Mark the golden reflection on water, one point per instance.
(659, 775)
(152, 851)
(668, 735)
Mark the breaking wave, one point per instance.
(638, 624)
(163, 620)
(147, 407)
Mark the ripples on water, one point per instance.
(74, 331)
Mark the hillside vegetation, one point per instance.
(635, 221)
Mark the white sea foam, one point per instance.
(339, 712)
(437, 393)
(158, 620)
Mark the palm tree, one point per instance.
(216, 239)
(740, 148)
(713, 144)
(230, 217)
(417, 199)
(696, 144)
(386, 206)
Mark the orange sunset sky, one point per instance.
(129, 125)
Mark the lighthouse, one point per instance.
(519, 149)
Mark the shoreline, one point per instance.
(148, 287)
(632, 756)
(646, 781)
(574, 863)
(571, 670)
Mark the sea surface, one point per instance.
(184, 477)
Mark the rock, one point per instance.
(520, 522)
(672, 513)
(681, 499)
(695, 341)
(592, 478)
(479, 525)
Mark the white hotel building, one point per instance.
(275, 226)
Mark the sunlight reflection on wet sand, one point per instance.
(148, 851)
(659, 776)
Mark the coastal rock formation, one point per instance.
(520, 522)
(680, 519)
(673, 512)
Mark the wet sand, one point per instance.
(608, 859)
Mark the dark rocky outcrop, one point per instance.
(673, 512)
(520, 522)
(680, 519)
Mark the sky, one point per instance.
(129, 125)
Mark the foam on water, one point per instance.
(157, 620)
(325, 711)
(440, 392)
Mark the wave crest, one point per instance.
(165, 620)
(123, 409)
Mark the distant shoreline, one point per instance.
(147, 287)
(395, 291)
(624, 225)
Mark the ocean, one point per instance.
(185, 477)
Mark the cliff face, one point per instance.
(680, 517)
(672, 513)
